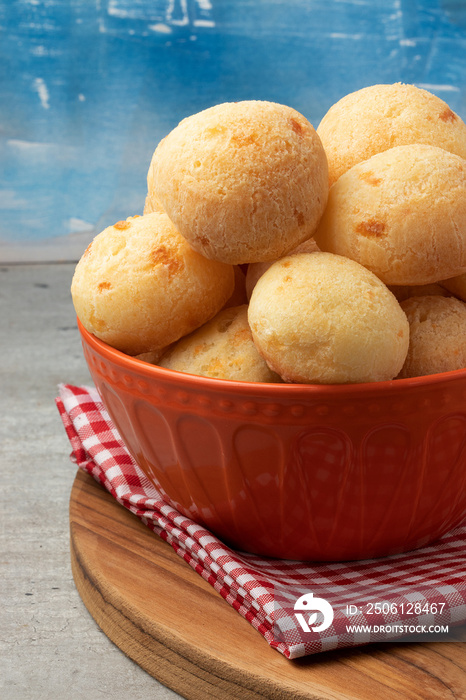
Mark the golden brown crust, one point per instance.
(243, 182)
(223, 348)
(380, 117)
(437, 335)
(139, 286)
(401, 214)
(322, 318)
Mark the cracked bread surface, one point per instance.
(140, 286)
(401, 214)
(243, 182)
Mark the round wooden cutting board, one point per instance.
(164, 616)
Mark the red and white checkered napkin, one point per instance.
(390, 596)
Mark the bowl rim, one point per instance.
(239, 387)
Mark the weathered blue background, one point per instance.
(88, 88)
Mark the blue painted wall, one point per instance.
(88, 88)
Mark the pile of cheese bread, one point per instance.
(272, 252)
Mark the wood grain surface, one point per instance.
(163, 615)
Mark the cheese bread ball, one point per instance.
(324, 319)
(243, 182)
(256, 270)
(437, 335)
(401, 214)
(380, 117)
(139, 286)
(223, 348)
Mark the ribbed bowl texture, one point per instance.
(309, 472)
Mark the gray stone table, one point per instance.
(50, 647)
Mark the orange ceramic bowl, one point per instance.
(295, 471)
